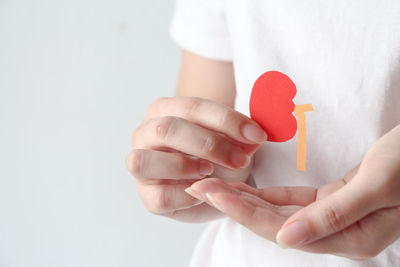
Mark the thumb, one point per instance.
(327, 216)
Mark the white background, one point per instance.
(75, 79)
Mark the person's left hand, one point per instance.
(354, 217)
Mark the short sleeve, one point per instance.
(200, 27)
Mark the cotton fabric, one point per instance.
(343, 56)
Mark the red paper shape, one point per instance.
(271, 105)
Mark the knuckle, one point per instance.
(129, 163)
(334, 219)
(158, 102)
(191, 106)
(165, 127)
(136, 163)
(226, 116)
(134, 136)
(160, 202)
(208, 145)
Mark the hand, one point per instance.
(355, 217)
(182, 140)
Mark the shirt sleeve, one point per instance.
(200, 27)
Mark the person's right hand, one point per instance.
(184, 139)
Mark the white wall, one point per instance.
(75, 79)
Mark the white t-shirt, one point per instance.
(343, 56)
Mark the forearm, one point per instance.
(206, 78)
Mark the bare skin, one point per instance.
(187, 137)
(197, 134)
(355, 217)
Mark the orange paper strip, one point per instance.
(299, 112)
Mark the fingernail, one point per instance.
(211, 199)
(205, 168)
(193, 193)
(292, 235)
(239, 159)
(253, 133)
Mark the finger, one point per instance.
(329, 215)
(361, 240)
(199, 189)
(165, 199)
(264, 220)
(210, 114)
(202, 189)
(201, 213)
(241, 174)
(153, 164)
(301, 196)
(364, 239)
(181, 135)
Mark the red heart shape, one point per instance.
(271, 105)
